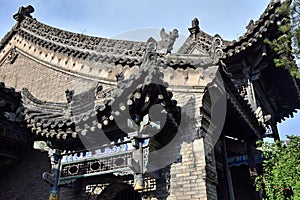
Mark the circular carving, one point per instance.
(119, 162)
(95, 166)
(73, 169)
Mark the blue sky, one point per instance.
(114, 18)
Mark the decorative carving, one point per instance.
(261, 118)
(216, 51)
(150, 57)
(195, 23)
(98, 90)
(95, 189)
(168, 181)
(96, 166)
(146, 151)
(250, 26)
(200, 133)
(194, 30)
(120, 76)
(104, 95)
(69, 95)
(151, 45)
(12, 56)
(23, 12)
(12, 117)
(168, 40)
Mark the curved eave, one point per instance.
(242, 107)
(79, 45)
(284, 91)
(44, 118)
(7, 37)
(86, 63)
(256, 32)
(54, 120)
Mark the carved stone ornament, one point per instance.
(195, 23)
(12, 56)
(165, 45)
(103, 94)
(194, 30)
(150, 56)
(69, 95)
(23, 12)
(250, 26)
(120, 76)
(216, 51)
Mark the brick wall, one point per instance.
(186, 176)
(43, 82)
(24, 181)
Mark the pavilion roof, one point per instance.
(98, 49)
(60, 120)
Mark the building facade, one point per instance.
(86, 117)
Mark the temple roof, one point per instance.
(98, 49)
(83, 54)
(73, 44)
(200, 51)
(91, 48)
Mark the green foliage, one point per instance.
(287, 45)
(281, 170)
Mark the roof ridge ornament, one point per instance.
(216, 51)
(150, 55)
(250, 26)
(165, 45)
(23, 12)
(194, 30)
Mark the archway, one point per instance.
(119, 191)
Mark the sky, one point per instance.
(140, 19)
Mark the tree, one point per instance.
(281, 170)
(287, 45)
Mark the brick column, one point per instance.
(195, 176)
